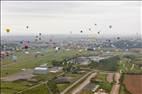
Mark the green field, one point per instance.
(29, 62)
(102, 82)
(42, 89)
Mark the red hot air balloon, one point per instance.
(26, 47)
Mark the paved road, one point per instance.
(83, 84)
(115, 89)
(116, 86)
(76, 82)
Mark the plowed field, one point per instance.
(133, 83)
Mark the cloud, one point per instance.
(46, 7)
(62, 16)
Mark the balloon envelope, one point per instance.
(21, 42)
(110, 26)
(27, 27)
(118, 38)
(7, 30)
(40, 34)
(26, 46)
(81, 31)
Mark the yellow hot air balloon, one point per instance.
(7, 30)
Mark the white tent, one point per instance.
(40, 70)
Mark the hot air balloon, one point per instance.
(99, 32)
(26, 47)
(81, 31)
(36, 36)
(7, 30)
(89, 29)
(110, 26)
(21, 42)
(118, 38)
(95, 24)
(39, 38)
(27, 27)
(40, 34)
(109, 40)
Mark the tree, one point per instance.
(56, 63)
(53, 89)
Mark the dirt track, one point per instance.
(27, 74)
(116, 86)
(110, 77)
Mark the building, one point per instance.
(40, 70)
(55, 69)
(60, 80)
(27, 52)
(83, 60)
(43, 65)
(5, 53)
(90, 49)
(97, 58)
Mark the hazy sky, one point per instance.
(63, 17)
